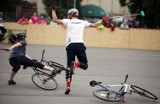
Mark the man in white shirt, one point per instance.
(74, 41)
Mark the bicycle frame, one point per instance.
(118, 94)
(127, 88)
(43, 79)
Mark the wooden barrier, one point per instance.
(55, 35)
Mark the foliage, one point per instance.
(62, 6)
(150, 7)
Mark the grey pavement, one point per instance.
(105, 64)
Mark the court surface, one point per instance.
(106, 65)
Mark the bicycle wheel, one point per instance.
(44, 81)
(107, 96)
(143, 92)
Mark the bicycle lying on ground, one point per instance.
(111, 94)
(11, 35)
(43, 79)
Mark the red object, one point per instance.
(123, 100)
(68, 84)
(105, 19)
(77, 64)
(108, 26)
(112, 26)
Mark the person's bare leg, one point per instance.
(12, 75)
(48, 68)
(11, 81)
(52, 70)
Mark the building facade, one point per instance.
(110, 6)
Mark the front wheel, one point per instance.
(107, 96)
(44, 81)
(143, 92)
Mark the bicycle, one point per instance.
(43, 79)
(111, 94)
(10, 35)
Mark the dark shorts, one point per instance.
(22, 60)
(76, 49)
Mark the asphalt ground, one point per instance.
(105, 64)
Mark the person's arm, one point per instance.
(55, 19)
(96, 24)
(28, 56)
(14, 46)
(104, 19)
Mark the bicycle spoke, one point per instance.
(107, 96)
(44, 81)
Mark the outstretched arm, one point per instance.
(96, 24)
(104, 19)
(14, 46)
(55, 19)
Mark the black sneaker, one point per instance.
(56, 71)
(67, 91)
(11, 82)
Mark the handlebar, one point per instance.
(52, 63)
(43, 54)
(126, 78)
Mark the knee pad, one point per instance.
(81, 65)
(15, 69)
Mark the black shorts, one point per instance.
(76, 49)
(22, 60)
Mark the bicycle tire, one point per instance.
(143, 92)
(107, 96)
(39, 79)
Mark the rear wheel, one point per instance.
(44, 81)
(107, 96)
(143, 92)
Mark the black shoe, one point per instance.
(11, 82)
(67, 91)
(56, 71)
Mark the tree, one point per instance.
(62, 6)
(150, 7)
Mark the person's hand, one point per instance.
(105, 19)
(8, 49)
(52, 5)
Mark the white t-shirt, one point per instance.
(75, 29)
